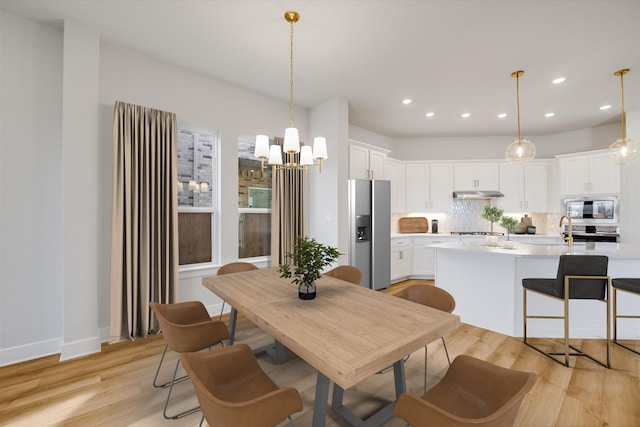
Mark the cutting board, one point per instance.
(413, 224)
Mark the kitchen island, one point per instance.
(486, 282)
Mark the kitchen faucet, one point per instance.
(569, 237)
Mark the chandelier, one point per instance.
(623, 150)
(520, 150)
(291, 145)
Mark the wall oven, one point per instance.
(593, 218)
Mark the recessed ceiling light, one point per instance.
(605, 107)
(502, 115)
(429, 114)
(558, 80)
(465, 115)
(550, 115)
(406, 101)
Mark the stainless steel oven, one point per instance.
(593, 218)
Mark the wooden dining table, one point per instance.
(347, 333)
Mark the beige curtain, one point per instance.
(144, 218)
(287, 210)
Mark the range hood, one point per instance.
(477, 194)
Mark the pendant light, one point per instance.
(520, 150)
(624, 150)
(291, 145)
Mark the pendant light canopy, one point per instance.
(520, 150)
(624, 150)
(291, 145)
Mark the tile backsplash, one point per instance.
(465, 215)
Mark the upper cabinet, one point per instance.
(588, 173)
(396, 173)
(429, 187)
(524, 187)
(367, 162)
(476, 176)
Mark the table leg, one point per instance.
(380, 418)
(233, 319)
(321, 401)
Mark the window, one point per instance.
(197, 196)
(254, 203)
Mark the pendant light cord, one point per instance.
(518, 102)
(624, 133)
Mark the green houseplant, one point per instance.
(508, 223)
(309, 257)
(492, 214)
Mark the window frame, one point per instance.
(214, 210)
(250, 139)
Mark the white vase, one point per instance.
(492, 240)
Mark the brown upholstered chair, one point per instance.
(233, 390)
(348, 273)
(430, 296)
(472, 393)
(234, 267)
(629, 285)
(186, 327)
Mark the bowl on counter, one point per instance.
(531, 229)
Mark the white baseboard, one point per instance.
(23, 353)
(80, 348)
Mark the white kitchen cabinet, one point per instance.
(476, 176)
(524, 187)
(400, 258)
(441, 186)
(429, 187)
(396, 173)
(424, 256)
(366, 163)
(588, 173)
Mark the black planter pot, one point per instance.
(307, 292)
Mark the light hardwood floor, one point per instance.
(113, 388)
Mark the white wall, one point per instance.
(492, 147)
(630, 182)
(31, 285)
(327, 194)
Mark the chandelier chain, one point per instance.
(291, 76)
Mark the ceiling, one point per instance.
(449, 57)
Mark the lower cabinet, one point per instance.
(424, 257)
(400, 259)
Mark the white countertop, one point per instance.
(612, 250)
(514, 237)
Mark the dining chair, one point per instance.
(233, 390)
(473, 392)
(629, 285)
(186, 327)
(234, 267)
(433, 297)
(579, 277)
(348, 273)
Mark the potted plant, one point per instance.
(309, 257)
(492, 214)
(508, 223)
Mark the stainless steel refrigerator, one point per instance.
(370, 231)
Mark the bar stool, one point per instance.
(582, 277)
(631, 286)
